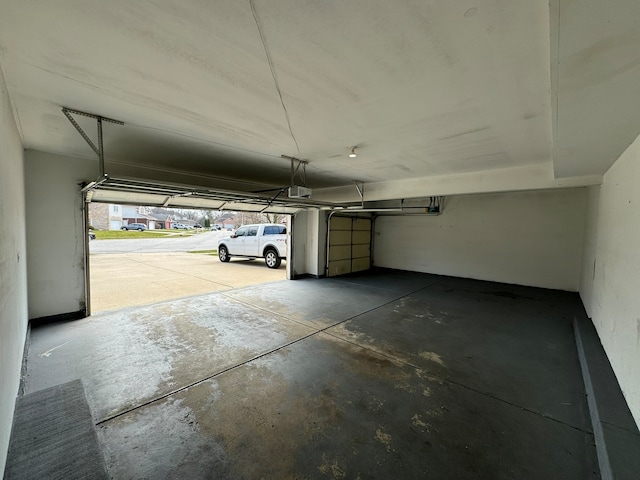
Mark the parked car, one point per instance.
(197, 225)
(267, 240)
(180, 226)
(215, 228)
(92, 236)
(134, 226)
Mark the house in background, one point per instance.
(162, 220)
(103, 216)
(131, 214)
(226, 221)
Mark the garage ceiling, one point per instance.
(439, 97)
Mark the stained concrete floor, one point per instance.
(383, 375)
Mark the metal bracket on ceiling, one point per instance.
(360, 188)
(295, 170)
(91, 185)
(435, 205)
(99, 150)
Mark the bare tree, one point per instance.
(274, 217)
(245, 218)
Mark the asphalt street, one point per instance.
(199, 241)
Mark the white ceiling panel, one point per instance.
(424, 89)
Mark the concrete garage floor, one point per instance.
(384, 375)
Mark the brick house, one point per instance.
(103, 216)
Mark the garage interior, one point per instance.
(462, 179)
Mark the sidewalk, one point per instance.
(133, 279)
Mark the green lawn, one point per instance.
(118, 234)
(205, 252)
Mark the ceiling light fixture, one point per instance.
(353, 153)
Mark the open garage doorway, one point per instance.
(139, 255)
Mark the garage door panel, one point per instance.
(360, 237)
(362, 224)
(360, 264)
(341, 223)
(340, 252)
(358, 251)
(349, 245)
(340, 267)
(340, 237)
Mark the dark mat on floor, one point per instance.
(54, 437)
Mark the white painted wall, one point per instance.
(589, 248)
(525, 238)
(524, 178)
(610, 286)
(310, 239)
(55, 232)
(13, 267)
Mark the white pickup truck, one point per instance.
(268, 240)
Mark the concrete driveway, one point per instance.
(120, 280)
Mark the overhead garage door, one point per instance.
(349, 245)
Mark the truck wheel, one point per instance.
(223, 254)
(272, 259)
